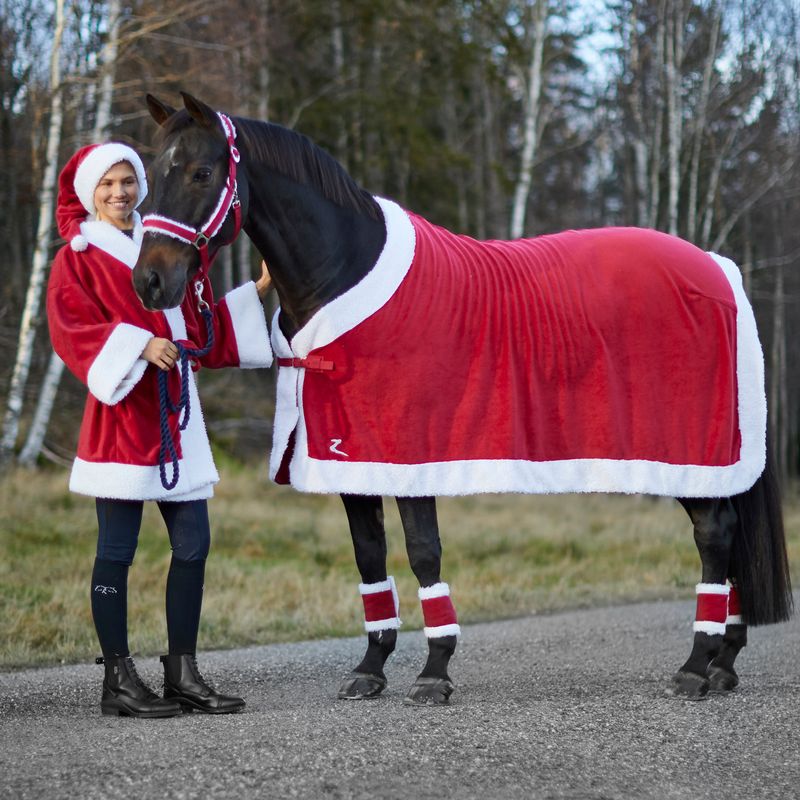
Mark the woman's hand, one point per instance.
(264, 283)
(161, 352)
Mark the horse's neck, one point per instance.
(314, 249)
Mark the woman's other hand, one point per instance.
(264, 283)
(161, 352)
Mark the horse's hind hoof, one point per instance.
(722, 680)
(688, 686)
(429, 692)
(361, 686)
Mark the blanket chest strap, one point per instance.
(314, 363)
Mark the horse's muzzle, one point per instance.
(156, 290)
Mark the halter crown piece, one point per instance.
(229, 198)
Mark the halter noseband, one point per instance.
(229, 198)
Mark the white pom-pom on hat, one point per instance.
(79, 243)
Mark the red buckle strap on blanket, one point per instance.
(315, 363)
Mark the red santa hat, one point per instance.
(79, 179)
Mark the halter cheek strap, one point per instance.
(229, 199)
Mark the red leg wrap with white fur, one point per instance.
(712, 608)
(438, 611)
(381, 605)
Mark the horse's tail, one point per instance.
(759, 565)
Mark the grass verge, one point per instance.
(282, 566)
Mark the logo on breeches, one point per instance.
(105, 589)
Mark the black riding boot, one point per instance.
(125, 694)
(184, 683)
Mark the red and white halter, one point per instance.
(229, 198)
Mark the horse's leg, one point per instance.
(433, 685)
(365, 515)
(721, 674)
(714, 521)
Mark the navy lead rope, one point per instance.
(167, 407)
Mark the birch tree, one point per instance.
(55, 368)
(41, 255)
(531, 110)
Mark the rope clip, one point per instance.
(198, 291)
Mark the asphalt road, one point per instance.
(564, 706)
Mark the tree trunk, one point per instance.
(700, 125)
(55, 369)
(532, 102)
(41, 254)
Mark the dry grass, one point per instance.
(282, 566)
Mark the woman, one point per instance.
(116, 347)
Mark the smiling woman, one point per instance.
(120, 350)
(117, 195)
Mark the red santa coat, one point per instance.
(613, 360)
(99, 327)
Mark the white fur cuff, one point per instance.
(249, 326)
(118, 366)
(711, 628)
(437, 590)
(442, 630)
(713, 588)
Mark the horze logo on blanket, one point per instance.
(334, 448)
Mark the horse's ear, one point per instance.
(201, 113)
(159, 111)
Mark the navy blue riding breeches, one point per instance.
(119, 522)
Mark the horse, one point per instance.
(333, 252)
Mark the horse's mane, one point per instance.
(295, 156)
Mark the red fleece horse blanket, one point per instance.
(607, 360)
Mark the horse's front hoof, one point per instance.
(361, 686)
(722, 680)
(688, 686)
(429, 692)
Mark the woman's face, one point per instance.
(116, 195)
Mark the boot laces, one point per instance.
(137, 679)
(198, 674)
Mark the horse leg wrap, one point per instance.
(438, 611)
(734, 608)
(712, 608)
(381, 605)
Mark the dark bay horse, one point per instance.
(322, 235)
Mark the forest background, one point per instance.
(495, 118)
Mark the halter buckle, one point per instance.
(200, 240)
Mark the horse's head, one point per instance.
(191, 210)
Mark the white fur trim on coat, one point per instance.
(197, 472)
(118, 366)
(249, 326)
(113, 241)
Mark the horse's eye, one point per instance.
(202, 175)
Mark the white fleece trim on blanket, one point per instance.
(249, 326)
(455, 478)
(114, 241)
(118, 367)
